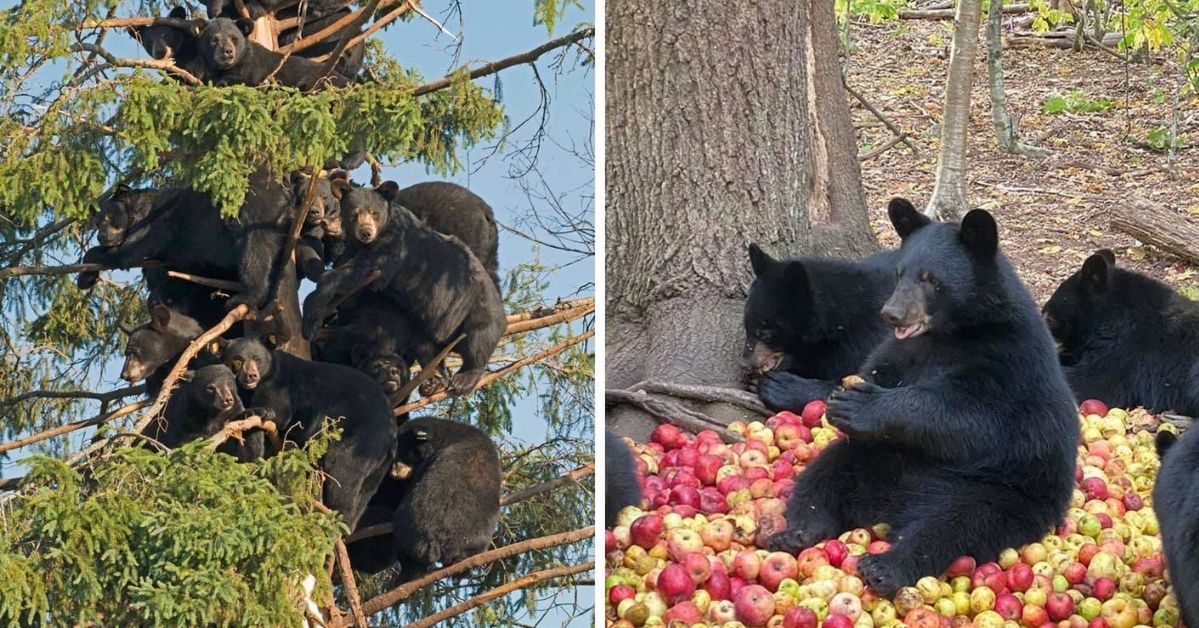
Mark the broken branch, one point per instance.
(502, 64)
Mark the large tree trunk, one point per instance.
(716, 139)
(949, 194)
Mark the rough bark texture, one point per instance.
(726, 124)
(1164, 228)
(949, 194)
(1005, 128)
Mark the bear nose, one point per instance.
(893, 314)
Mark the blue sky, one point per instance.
(491, 31)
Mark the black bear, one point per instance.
(177, 227)
(311, 255)
(234, 60)
(153, 348)
(963, 410)
(298, 395)
(201, 409)
(206, 305)
(370, 334)
(170, 42)
(445, 207)
(811, 321)
(620, 478)
(1174, 501)
(376, 553)
(1126, 339)
(316, 20)
(452, 503)
(439, 286)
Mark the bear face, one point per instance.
(390, 371)
(223, 43)
(163, 41)
(1080, 304)
(250, 359)
(213, 389)
(154, 344)
(365, 211)
(942, 272)
(774, 325)
(119, 213)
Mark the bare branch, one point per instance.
(494, 375)
(219, 284)
(405, 590)
(500, 591)
(157, 64)
(71, 427)
(351, 585)
(503, 64)
(379, 23)
(119, 393)
(68, 269)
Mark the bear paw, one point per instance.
(882, 574)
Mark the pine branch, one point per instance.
(503, 64)
(390, 598)
(494, 375)
(500, 591)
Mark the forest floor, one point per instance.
(1053, 211)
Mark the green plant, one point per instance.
(1075, 102)
(1160, 139)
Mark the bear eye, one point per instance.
(212, 388)
(928, 278)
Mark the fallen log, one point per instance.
(1159, 226)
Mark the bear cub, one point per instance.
(1174, 501)
(811, 321)
(1126, 339)
(964, 409)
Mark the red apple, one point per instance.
(675, 584)
(1009, 606)
(746, 565)
(698, 566)
(836, 551)
(878, 547)
(686, 612)
(1133, 501)
(1087, 552)
(837, 620)
(1098, 622)
(666, 435)
(646, 530)
(1019, 577)
(685, 496)
(1094, 488)
(717, 534)
(777, 567)
(813, 412)
(619, 593)
(755, 605)
(1103, 588)
(961, 566)
(997, 582)
(1093, 406)
(1034, 616)
(1059, 606)
(706, 467)
(810, 559)
(718, 585)
(711, 501)
(800, 617)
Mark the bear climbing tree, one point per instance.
(167, 197)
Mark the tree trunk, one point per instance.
(715, 140)
(949, 194)
(1005, 128)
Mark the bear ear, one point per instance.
(217, 347)
(187, 376)
(388, 190)
(905, 217)
(160, 317)
(271, 341)
(338, 174)
(245, 25)
(179, 13)
(760, 260)
(980, 234)
(1095, 273)
(1108, 255)
(198, 26)
(338, 187)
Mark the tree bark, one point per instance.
(949, 194)
(1005, 128)
(1153, 224)
(716, 139)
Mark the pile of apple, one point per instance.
(692, 557)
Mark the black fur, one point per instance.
(207, 305)
(298, 395)
(178, 45)
(1126, 339)
(201, 409)
(153, 348)
(234, 60)
(177, 227)
(968, 413)
(371, 335)
(812, 321)
(1176, 502)
(376, 553)
(452, 504)
(350, 63)
(445, 207)
(439, 286)
(620, 478)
